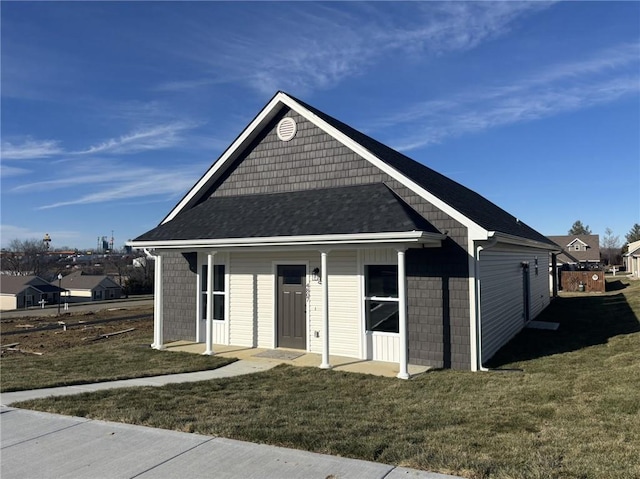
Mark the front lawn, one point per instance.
(58, 357)
(562, 404)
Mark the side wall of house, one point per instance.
(502, 293)
(179, 283)
(438, 288)
(8, 302)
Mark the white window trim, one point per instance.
(223, 260)
(364, 298)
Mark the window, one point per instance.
(218, 291)
(381, 298)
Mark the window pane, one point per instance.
(382, 316)
(204, 306)
(381, 280)
(292, 274)
(218, 306)
(218, 277)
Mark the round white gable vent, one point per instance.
(286, 129)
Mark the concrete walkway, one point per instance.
(43, 445)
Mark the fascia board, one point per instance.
(418, 237)
(474, 229)
(247, 135)
(579, 241)
(517, 240)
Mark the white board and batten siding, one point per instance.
(379, 346)
(502, 293)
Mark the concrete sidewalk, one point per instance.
(237, 368)
(43, 445)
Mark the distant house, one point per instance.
(307, 234)
(578, 251)
(88, 287)
(25, 291)
(632, 258)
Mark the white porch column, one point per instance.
(402, 309)
(158, 319)
(209, 330)
(325, 310)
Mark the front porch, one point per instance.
(298, 358)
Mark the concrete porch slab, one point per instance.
(339, 363)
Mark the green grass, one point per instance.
(563, 404)
(116, 358)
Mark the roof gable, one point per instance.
(474, 211)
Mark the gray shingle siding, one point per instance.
(438, 286)
(179, 296)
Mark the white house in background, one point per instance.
(308, 234)
(632, 258)
(18, 292)
(87, 287)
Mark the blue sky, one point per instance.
(112, 111)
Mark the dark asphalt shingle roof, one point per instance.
(372, 208)
(471, 204)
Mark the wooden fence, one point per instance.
(591, 281)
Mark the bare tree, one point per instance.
(25, 257)
(579, 229)
(610, 246)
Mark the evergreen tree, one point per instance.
(634, 234)
(579, 229)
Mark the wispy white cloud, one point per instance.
(319, 45)
(605, 77)
(29, 149)
(91, 183)
(152, 138)
(7, 171)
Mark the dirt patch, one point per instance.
(51, 334)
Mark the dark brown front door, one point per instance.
(292, 314)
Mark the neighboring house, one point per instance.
(578, 251)
(88, 287)
(632, 258)
(310, 235)
(25, 291)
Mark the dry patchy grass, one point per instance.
(562, 404)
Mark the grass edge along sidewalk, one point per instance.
(561, 404)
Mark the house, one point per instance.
(308, 234)
(89, 287)
(25, 291)
(578, 251)
(632, 258)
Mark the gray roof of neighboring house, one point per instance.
(372, 208)
(17, 284)
(81, 280)
(592, 254)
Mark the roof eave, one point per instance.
(520, 241)
(421, 238)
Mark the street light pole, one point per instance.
(59, 292)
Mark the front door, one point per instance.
(292, 311)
